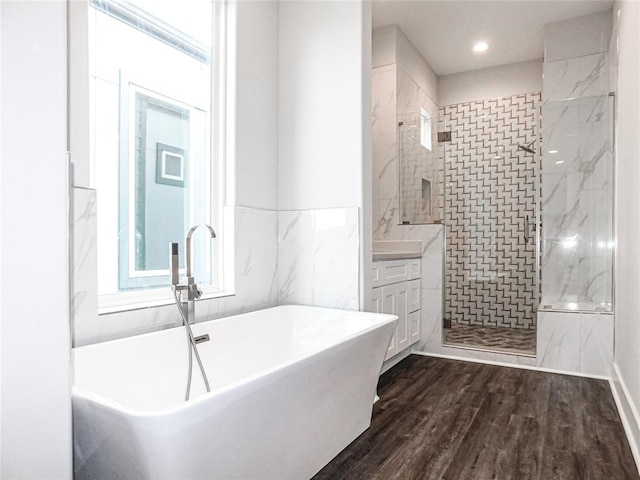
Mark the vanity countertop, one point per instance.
(396, 249)
(379, 256)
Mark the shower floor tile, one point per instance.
(513, 340)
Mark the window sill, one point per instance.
(125, 302)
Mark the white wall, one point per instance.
(409, 59)
(383, 46)
(257, 105)
(390, 45)
(560, 38)
(324, 123)
(488, 83)
(627, 273)
(321, 119)
(34, 319)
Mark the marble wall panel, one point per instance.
(420, 170)
(386, 151)
(383, 105)
(84, 262)
(256, 257)
(572, 78)
(318, 257)
(577, 184)
(575, 342)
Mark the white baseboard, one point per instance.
(513, 365)
(395, 360)
(628, 413)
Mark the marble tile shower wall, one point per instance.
(420, 170)
(385, 147)
(577, 185)
(575, 342)
(399, 191)
(318, 250)
(491, 190)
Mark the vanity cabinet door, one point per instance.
(414, 327)
(376, 301)
(397, 292)
(389, 305)
(395, 300)
(414, 295)
(403, 291)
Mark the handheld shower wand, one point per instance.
(174, 263)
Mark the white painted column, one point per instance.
(34, 310)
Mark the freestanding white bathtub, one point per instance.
(291, 386)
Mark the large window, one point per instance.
(152, 82)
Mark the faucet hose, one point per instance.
(192, 347)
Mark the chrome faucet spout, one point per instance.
(187, 245)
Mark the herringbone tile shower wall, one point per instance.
(490, 190)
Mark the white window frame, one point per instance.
(222, 163)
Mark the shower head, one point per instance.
(527, 148)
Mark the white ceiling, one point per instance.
(445, 31)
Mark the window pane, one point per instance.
(150, 68)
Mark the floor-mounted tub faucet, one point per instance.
(186, 306)
(189, 291)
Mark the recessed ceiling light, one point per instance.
(480, 47)
(553, 151)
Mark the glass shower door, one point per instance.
(492, 175)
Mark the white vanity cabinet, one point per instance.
(396, 290)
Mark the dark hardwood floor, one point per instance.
(447, 419)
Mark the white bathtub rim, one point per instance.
(137, 412)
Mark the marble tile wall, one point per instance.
(491, 192)
(398, 173)
(385, 146)
(83, 256)
(256, 286)
(318, 251)
(577, 185)
(319, 257)
(575, 342)
(420, 169)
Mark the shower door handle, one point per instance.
(526, 229)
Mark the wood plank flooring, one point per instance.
(447, 419)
